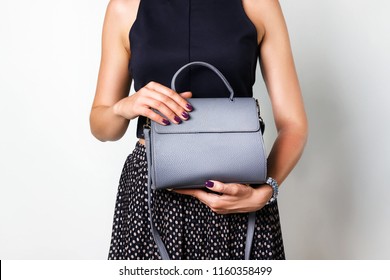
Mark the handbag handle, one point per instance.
(213, 68)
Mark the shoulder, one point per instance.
(122, 11)
(264, 6)
(121, 7)
(120, 15)
(264, 14)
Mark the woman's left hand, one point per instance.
(231, 197)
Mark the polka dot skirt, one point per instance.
(189, 229)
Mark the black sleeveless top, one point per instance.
(170, 33)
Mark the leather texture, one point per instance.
(216, 115)
(188, 159)
(221, 141)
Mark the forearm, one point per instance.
(106, 124)
(286, 151)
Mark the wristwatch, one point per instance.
(275, 187)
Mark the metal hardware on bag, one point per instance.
(147, 125)
(261, 119)
(262, 125)
(258, 109)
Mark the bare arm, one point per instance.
(280, 77)
(114, 80)
(112, 107)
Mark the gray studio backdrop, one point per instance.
(58, 183)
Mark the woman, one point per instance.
(148, 40)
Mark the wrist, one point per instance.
(275, 189)
(264, 193)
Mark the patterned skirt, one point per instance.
(189, 229)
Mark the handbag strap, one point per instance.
(249, 234)
(213, 68)
(156, 235)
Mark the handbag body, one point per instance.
(222, 140)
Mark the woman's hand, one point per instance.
(155, 96)
(231, 197)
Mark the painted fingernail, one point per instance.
(209, 184)
(166, 122)
(177, 119)
(185, 115)
(189, 107)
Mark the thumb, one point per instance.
(186, 94)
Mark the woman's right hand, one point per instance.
(171, 104)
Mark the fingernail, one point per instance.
(177, 119)
(166, 122)
(185, 115)
(209, 184)
(189, 107)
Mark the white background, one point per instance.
(58, 183)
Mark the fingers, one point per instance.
(171, 104)
(170, 93)
(155, 97)
(155, 117)
(224, 198)
(210, 199)
(186, 94)
(228, 189)
(168, 107)
(191, 192)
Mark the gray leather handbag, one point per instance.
(222, 140)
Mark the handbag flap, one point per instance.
(216, 115)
